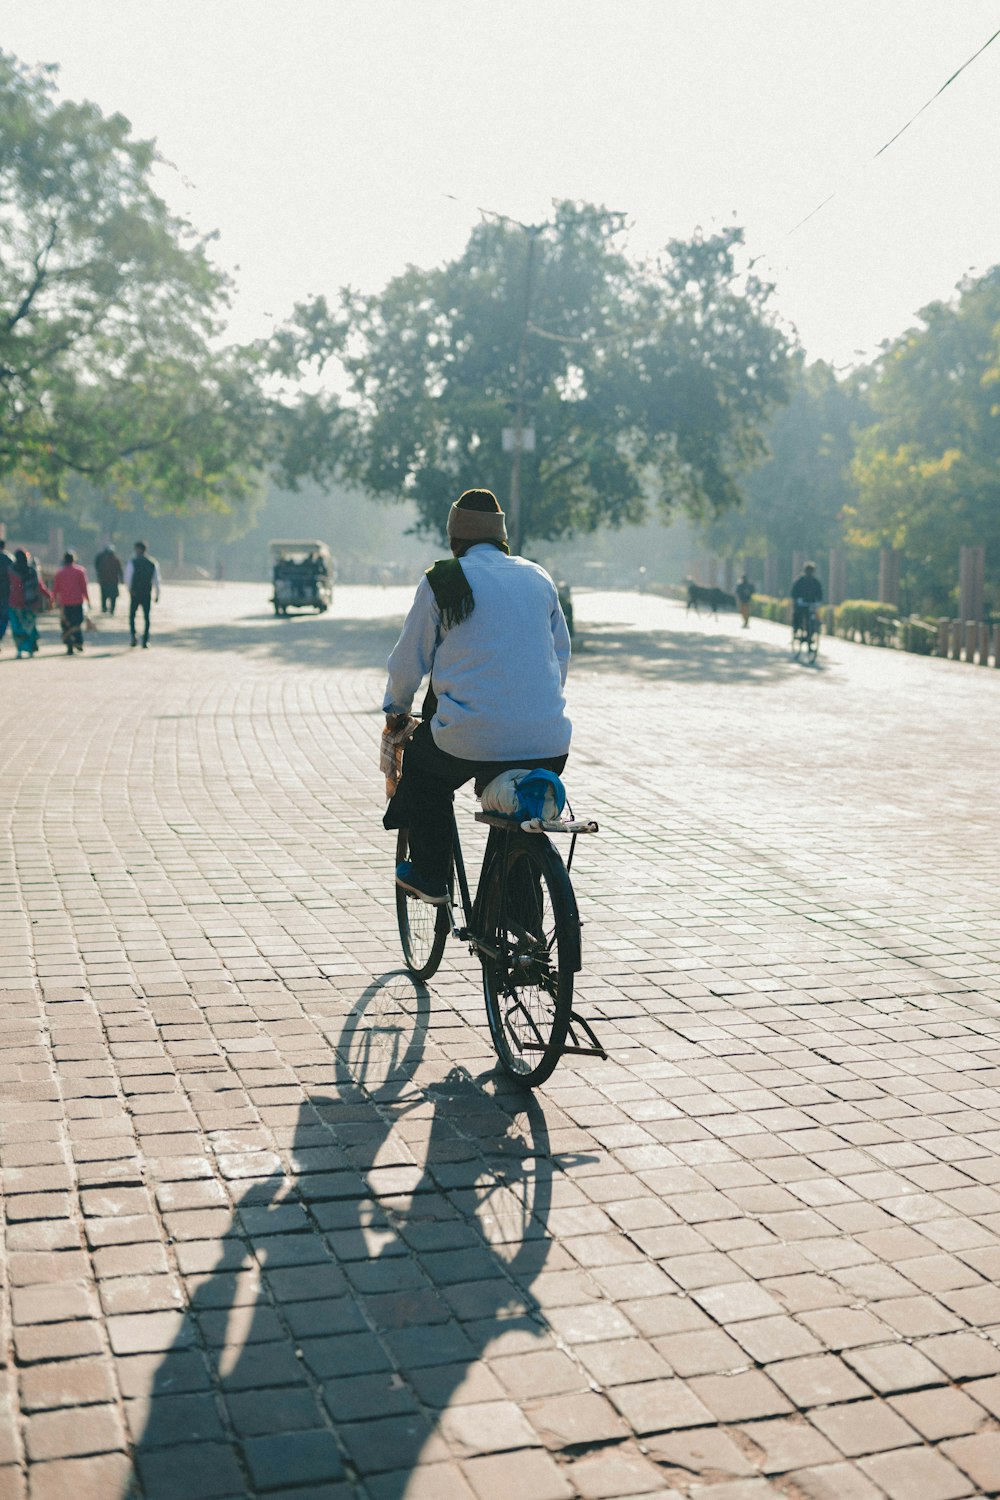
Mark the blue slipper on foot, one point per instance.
(415, 885)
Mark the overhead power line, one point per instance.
(903, 128)
(627, 332)
(947, 83)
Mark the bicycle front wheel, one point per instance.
(423, 929)
(530, 935)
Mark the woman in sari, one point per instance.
(27, 592)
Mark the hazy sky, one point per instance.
(321, 137)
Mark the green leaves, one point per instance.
(926, 471)
(109, 307)
(638, 380)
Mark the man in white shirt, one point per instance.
(489, 630)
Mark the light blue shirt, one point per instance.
(499, 675)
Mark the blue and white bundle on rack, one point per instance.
(525, 795)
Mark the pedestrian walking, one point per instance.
(142, 578)
(27, 595)
(110, 575)
(6, 564)
(71, 592)
(744, 594)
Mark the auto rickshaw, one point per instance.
(303, 576)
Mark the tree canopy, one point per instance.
(644, 384)
(926, 472)
(796, 498)
(110, 309)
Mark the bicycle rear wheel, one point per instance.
(423, 929)
(529, 923)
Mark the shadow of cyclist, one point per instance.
(357, 1287)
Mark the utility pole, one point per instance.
(514, 516)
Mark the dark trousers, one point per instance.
(109, 598)
(72, 626)
(137, 602)
(425, 797)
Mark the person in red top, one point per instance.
(70, 590)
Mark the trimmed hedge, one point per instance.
(767, 607)
(869, 620)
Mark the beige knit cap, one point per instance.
(467, 525)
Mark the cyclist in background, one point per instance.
(807, 592)
(490, 631)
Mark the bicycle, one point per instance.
(524, 928)
(805, 631)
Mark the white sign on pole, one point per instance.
(509, 439)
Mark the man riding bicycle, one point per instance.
(489, 630)
(807, 592)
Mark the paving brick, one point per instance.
(839, 1481)
(141, 1333)
(164, 1420)
(705, 1451)
(69, 1382)
(894, 1367)
(769, 1339)
(198, 1471)
(605, 1476)
(293, 1458)
(962, 1355)
(48, 1341)
(788, 1443)
(738, 1398)
(863, 1427)
(51, 1304)
(660, 1406)
(183, 1370)
(391, 1443)
(792, 1160)
(73, 1433)
(704, 1352)
(429, 1482)
(550, 1372)
(582, 1419)
(979, 1458)
(816, 1381)
(524, 1473)
(13, 1485)
(916, 1474)
(845, 1328)
(379, 1394)
(82, 1478)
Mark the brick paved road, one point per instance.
(273, 1228)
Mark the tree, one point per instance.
(110, 311)
(796, 498)
(644, 384)
(927, 471)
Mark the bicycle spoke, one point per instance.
(423, 929)
(521, 1046)
(527, 982)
